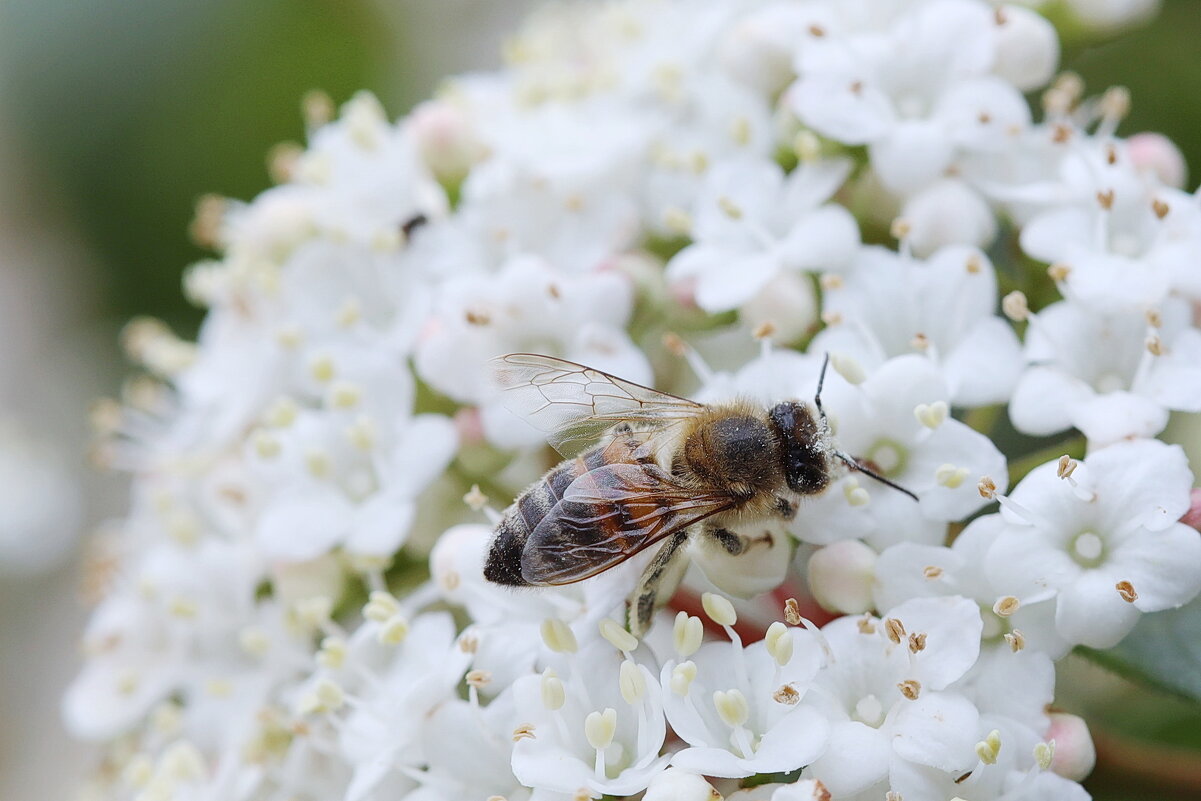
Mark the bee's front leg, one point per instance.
(658, 581)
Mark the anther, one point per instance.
(618, 637)
(1105, 199)
(1059, 272)
(932, 572)
(987, 488)
(1066, 466)
(910, 688)
(786, 695)
(719, 609)
(917, 643)
(475, 498)
(1015, 306)
(1126, 590)
(894, 629)
(599, 728)
(631, 682)
(558, 636)
(792, 612)
(687, 633)
(931, 415)
(1006, 606)
(1160, 208)
(682, 676)
(779, 642)
(524, 732)
(1016, 640)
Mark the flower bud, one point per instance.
(948, 213)
(1074, 755)
(1027, 49)
(1155, 153)
(841, 576)
(446, 140)
(675, 784)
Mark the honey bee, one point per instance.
(663, 469)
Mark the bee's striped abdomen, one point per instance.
(530, 508)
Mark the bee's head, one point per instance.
(804, 455)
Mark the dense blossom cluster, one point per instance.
(706, 197)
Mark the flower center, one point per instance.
(995, 626)
(1088, 549)
(869, 711)
(887, 457)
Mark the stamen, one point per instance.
(687, 634)
(618, 637)
(558, 636)
(779, 643)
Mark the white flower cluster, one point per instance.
(649, 185)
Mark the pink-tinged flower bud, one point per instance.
(1074, 753)
(469, 426)
(1193, 516)
(446, 140)
(841, 576)
(1155, 153)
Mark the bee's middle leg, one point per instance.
(659, 578)
(734, 543)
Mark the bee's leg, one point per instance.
(658, 581)
(734, 543)
(785, 508)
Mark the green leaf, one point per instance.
(1164, 650)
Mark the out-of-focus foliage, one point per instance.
(134, 109)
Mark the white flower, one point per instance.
(396, 688)
(1105, 542)
(895, 421)
(1110, 375)
(918, 93)
(738, 708)
(888, 305)
(885, 693)
(600, 730)
(345, 479)
(526, 308)
(751, 222)
(911, 570)
(1125, 242)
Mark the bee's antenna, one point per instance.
(855, 465)
(817, 398)
(846, 457)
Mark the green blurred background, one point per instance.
(119, 114)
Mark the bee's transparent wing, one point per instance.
(609, 514)
(574, 404)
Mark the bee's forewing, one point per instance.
(609, 514)
(574, 404)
